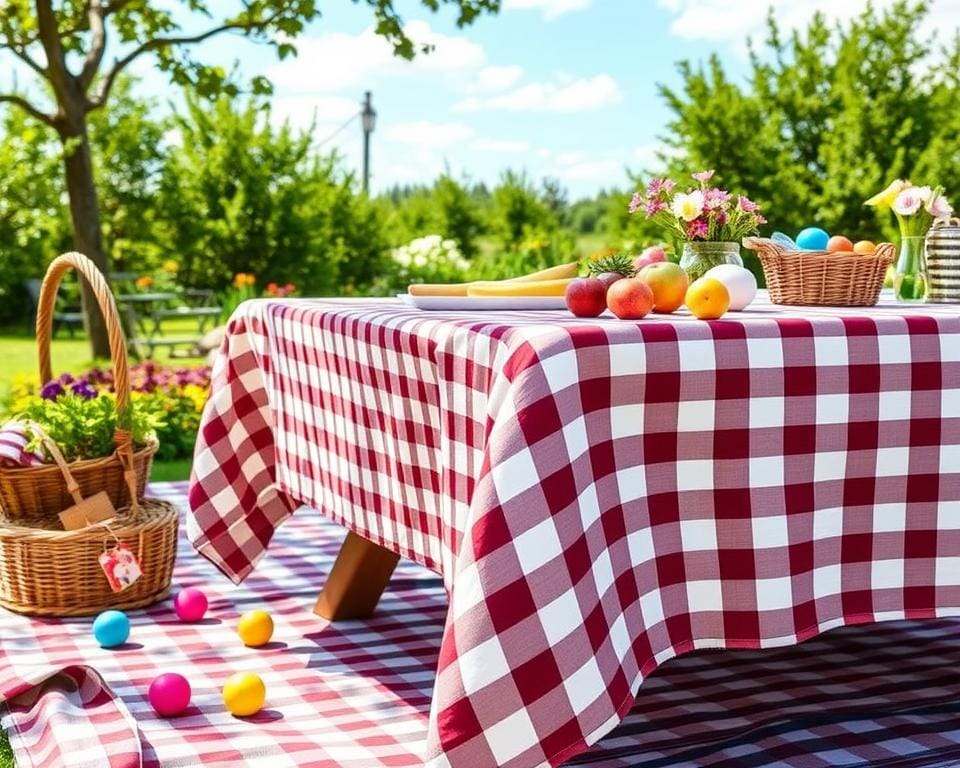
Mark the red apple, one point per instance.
(650, 255)
(586, 296)
(630, 299)
(609, 278)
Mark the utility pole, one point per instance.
(369, 119)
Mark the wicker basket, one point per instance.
(37, 494)
(820, 278)
(46, 571)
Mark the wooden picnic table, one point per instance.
(149, 310)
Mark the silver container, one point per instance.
(943, 261)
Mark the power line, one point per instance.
(338, 131)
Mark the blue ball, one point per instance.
(111, 628)
(813, 239)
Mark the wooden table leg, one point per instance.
(358, 578)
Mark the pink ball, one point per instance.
(190, 604)
(170, 694)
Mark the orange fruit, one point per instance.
(839, 243)
(864, 246)
(708, 298)
(668, 282)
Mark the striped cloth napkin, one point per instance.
(13, 446)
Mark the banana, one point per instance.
(438, 289)
(558, 272)
(526, 288)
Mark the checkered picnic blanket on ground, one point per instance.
(357, 694)
(598, 496)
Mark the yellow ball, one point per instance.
(255, 628)
(244, 694)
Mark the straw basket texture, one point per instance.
(35, 494)
(820, 278)
(49, 572)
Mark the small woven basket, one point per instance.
(819, 278)
(45, 571)
(38, 494)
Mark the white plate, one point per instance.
(483, 303)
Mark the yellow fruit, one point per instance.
(512, 289)
(244, 694)
(707, 298)
(559, 272)
(438, 289)
(255, 628)
(864, 246)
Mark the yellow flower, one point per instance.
(688, 207)
(144, 281)
(885, 199)
(196, 393)
(243, 279)
(171, 267)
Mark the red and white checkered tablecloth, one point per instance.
(599, 496)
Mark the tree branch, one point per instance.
(49, 33)
(103, 92)
(98, 41)
(25, 57)
(26, 106)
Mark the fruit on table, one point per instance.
(739, 282)
(839, 244)
(707, 298)
(630, 299)
(586, 296)
(558, 272)
(648, 256)
(531, 288)
(813, 239)
(609, 269)
(668, 282)
(864, 246)
(438, 289)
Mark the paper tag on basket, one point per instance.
(121, 567)
(96, 509)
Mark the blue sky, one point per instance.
(561, 88)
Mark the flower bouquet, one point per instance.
(709, 221)
(916, 208)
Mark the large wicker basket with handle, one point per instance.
(36, 494)
(46, 571)
(819, 278)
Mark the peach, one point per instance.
(630, 299)
(668, 282)
(708, 298)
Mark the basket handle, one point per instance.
(122, 436)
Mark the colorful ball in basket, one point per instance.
(255, 628)
(190, 604)
(111, 628)
(813, 239)
(169, 694)
(244, 694)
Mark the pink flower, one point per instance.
(703, 176)
(747, 205)
(697, 228)
(668, 185)
(715, 198)
(654, 206)
(760, 219)
(635, 202)
(907, 203)
(658, 186)
(720, 217)
(939, 208)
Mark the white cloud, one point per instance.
(501, 146)
(732, 21)
(324, 112)
(429, 135)
(579, 95)
(338, 61)
(493, 79)
(609, 172)
(550, 8)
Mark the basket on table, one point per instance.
(46, 571)
(35, 494)
(821, 278)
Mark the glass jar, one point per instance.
(699, 256)
(910, 278)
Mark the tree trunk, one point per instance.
(87, 234)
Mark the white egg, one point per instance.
(739, 281)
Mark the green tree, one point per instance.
(65, 46)
(828, 116)
(517, 211)
(238, 195)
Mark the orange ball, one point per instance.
(839, 244)
(668, 282)
(864, 246)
